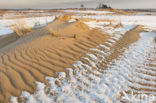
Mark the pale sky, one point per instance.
(51, 4)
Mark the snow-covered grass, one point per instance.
(145, 20)
(109, 27)
(21, 27)
(6, 24)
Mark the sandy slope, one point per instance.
(40, 54)
(4, 40)
(91, 78)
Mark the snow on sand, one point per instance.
(5, 24)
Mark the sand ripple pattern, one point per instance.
(90, 80)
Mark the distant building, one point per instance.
(103, 6)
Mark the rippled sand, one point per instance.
(41, 54)
(78, 64)
(121, 63)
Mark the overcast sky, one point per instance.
(47, 4)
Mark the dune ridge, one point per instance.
(31, 58)
(86, 71)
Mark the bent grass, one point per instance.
(119, 25)
(21, 27)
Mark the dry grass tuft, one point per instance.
(110, 24)
(119, 25)
(21, 27)
(64, 18)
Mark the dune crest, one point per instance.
(61, 27)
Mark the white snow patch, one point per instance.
(5, 24)
(5, 30)
(89, 11)
(110, 30)
(145, 20)
(72, 21)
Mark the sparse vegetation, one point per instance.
(110, 23)
(21, 27)
(119, 25)
(65, 17)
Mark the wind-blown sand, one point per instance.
(40, 54)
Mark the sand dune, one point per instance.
(76, 57)
(99, 73)
(26, 60)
